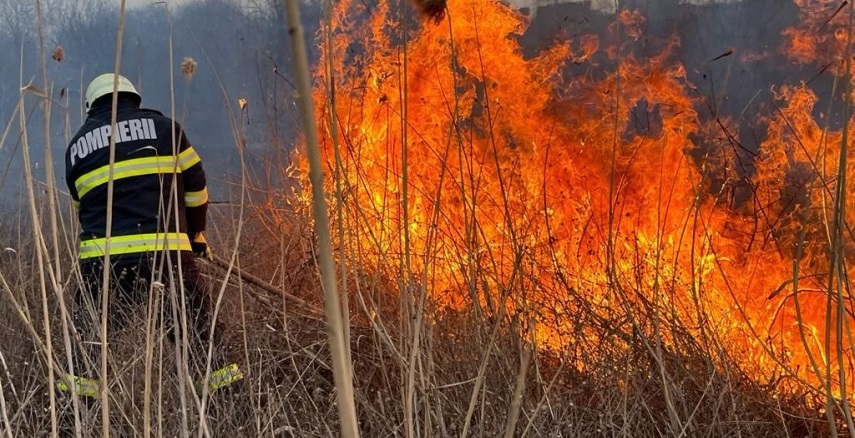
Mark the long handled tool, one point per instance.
(313, 312)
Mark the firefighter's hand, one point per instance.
(200, 247)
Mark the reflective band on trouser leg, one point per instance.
(224, 377)
(135, 243)
(188, 158)
(82, 386)
(195, 199)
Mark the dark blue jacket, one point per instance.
(152, 155)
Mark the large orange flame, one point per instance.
(490, 174)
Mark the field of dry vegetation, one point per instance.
(474, 372)
(444, 325)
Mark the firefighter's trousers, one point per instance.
(141, 293)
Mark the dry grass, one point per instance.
(289, 390)
(437, 372)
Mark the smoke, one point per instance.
(604, 6)
(214, 42)
(736, 60)
(732, 51)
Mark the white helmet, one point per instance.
(103, 85)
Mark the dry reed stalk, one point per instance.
(105, 279)
(56, 275)
(238, 132)
(822, 183)
(702, 223)
(614, 283)
(428, 261)
(231, 266)
(544, 399)
(519, 390)
(342, 367)
(515, 242)
(339, 197)
(49, 169)
(3, 408)
(7, 425)
(23, 315)
(838, 262)
(176, 276)
(408, 305)
(488, 351)
(40, 256)
(155, 297)
(800, 244)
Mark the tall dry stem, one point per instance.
(6, 425)
(40, 255)
(338, 177)
(177, 292)
(342, 367)
(838, 258)
(105, 279)
(519, 390)
(56, 275)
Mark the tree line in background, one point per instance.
(240, 49)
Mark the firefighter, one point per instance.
(159, 208)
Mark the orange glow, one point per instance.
(524, 179)
(820, 37)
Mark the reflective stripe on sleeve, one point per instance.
(124, 169)
(195, 199)
(187, 158)
(135, 243)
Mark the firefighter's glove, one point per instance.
(200, 247)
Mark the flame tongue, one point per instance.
(601, 191)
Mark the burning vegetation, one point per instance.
(587, 236)
(588, 193)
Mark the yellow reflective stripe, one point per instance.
(224, 376)
(135, 243)
(124, 169)
(195, 199)
(82, 386)
(187, 158)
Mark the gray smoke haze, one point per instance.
(242, 51)
(604, 6)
